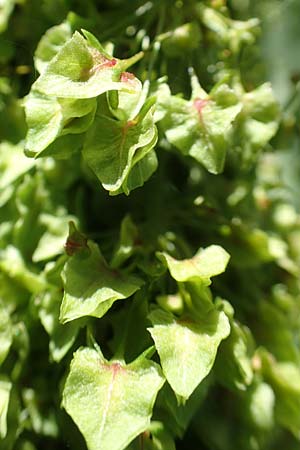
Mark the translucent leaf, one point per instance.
(5, 388)
(282, 345)
(257, 123)
(48, 117)
(201, 127)
(81, 71)
(284, 378)
(11, 293)
(187, 349)
(233, 363)
(91, 287)
(110, 402)
(31, 198)
(13, 164)
(128, 101)
(50, 44)
(64, 147)
(13, 265)
(7, 7)
(6, 333)
(205, 264)
(112, 148)
(44, 119)
(139, 173)
(232, 33)
(42, 420)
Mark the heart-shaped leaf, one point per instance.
(187, 349)
(114, 148)
(80, 70)
(91, 287)
(110, 402)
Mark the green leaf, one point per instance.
(49, 117)
(7, 7)
(119, 397)
(228, 32)
(5, 388)
(13, 265)
(129, 235)
(112, 148)
(261, 405)
(64, 147)
(11, 293)
(160, 438)
(179, 416)
(139, 173)
(44, 119)
(91, 286)
(187, 349)
(127, 101)
(257, 123)
(282, 345)
(206, 263)
(233, 363)
(130, 336)
(62, 337)
(284, 378)
(6, 333)
(53, 239)
(181, 40)
(49, 45)
(31, 198)
(81, 71)
(201, 127)
(13, 165)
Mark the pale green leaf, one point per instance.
(257, 123)
(179, 416)
(160, 438)
(91, 286)
(52, 241)
(229, 32)
(201, 127)
(128, 101)
(7, 7)
(61, 336)
(206, 263)
(110, 402)
(6, 332)
(13, 265)
(5, 388)
(50, 43)
(261, 404)
(129, 234)
(140, 172)
(284, 378)
(44, 119)
(233, 364)
(112, 148)
(81, 71)
(13, 164)
(187, 349)
(49, 117)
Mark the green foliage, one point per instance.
(149, 225)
